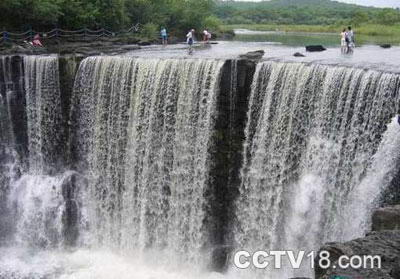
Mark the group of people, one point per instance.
(347, 40)
(190, 37)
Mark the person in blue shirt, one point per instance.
(164, 36)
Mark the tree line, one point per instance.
(176, 15)
(307, 12)
(180, 15)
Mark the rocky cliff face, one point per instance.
(228, 138)
(383, 241)
(387, 218)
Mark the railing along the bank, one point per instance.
(12, 37)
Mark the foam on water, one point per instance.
(84, 264)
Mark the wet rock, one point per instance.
(314, 48)
(385, 244)
(387, 218)
(253, 55)
(226, 155)
(22, 48)
(84, 46)
(385, 46)
(298, 54)
(71, 188)
(220, 257)
(395, 273)
(19, 49)
(144, 43)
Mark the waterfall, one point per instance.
(43, 109)
(363, 199)
(139, 162)
(143, 130)
(11, 143)
(311, 136)
(41, 210)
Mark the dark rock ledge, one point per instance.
(109, 46)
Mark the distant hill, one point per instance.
(294, 3)
(311, 12)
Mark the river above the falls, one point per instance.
(367, 56)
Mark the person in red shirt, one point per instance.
(36, 41)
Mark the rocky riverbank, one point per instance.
(91, 46)
(84, 47)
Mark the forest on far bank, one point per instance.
(304, 12)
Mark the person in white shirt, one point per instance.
(343, 43)
(190, 40)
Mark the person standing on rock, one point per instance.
(343, 42)
(190, 40)
(350, 40)
(206, 36)
(164, 36)
(350, 33)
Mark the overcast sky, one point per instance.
(376, 3)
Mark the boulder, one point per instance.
(144, 43)
(385, 244)
(385, 46)
(298, 54)
(253, 55)
(387, 218)
(313, 48)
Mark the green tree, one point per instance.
(388, 16)
(359, 18)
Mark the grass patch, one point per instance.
(368, 29)
(365, 34)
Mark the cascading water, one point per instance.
(143, 130)
(310, 139)
(41, 210)
(10, 88)
(150, 181)
(43, 109)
